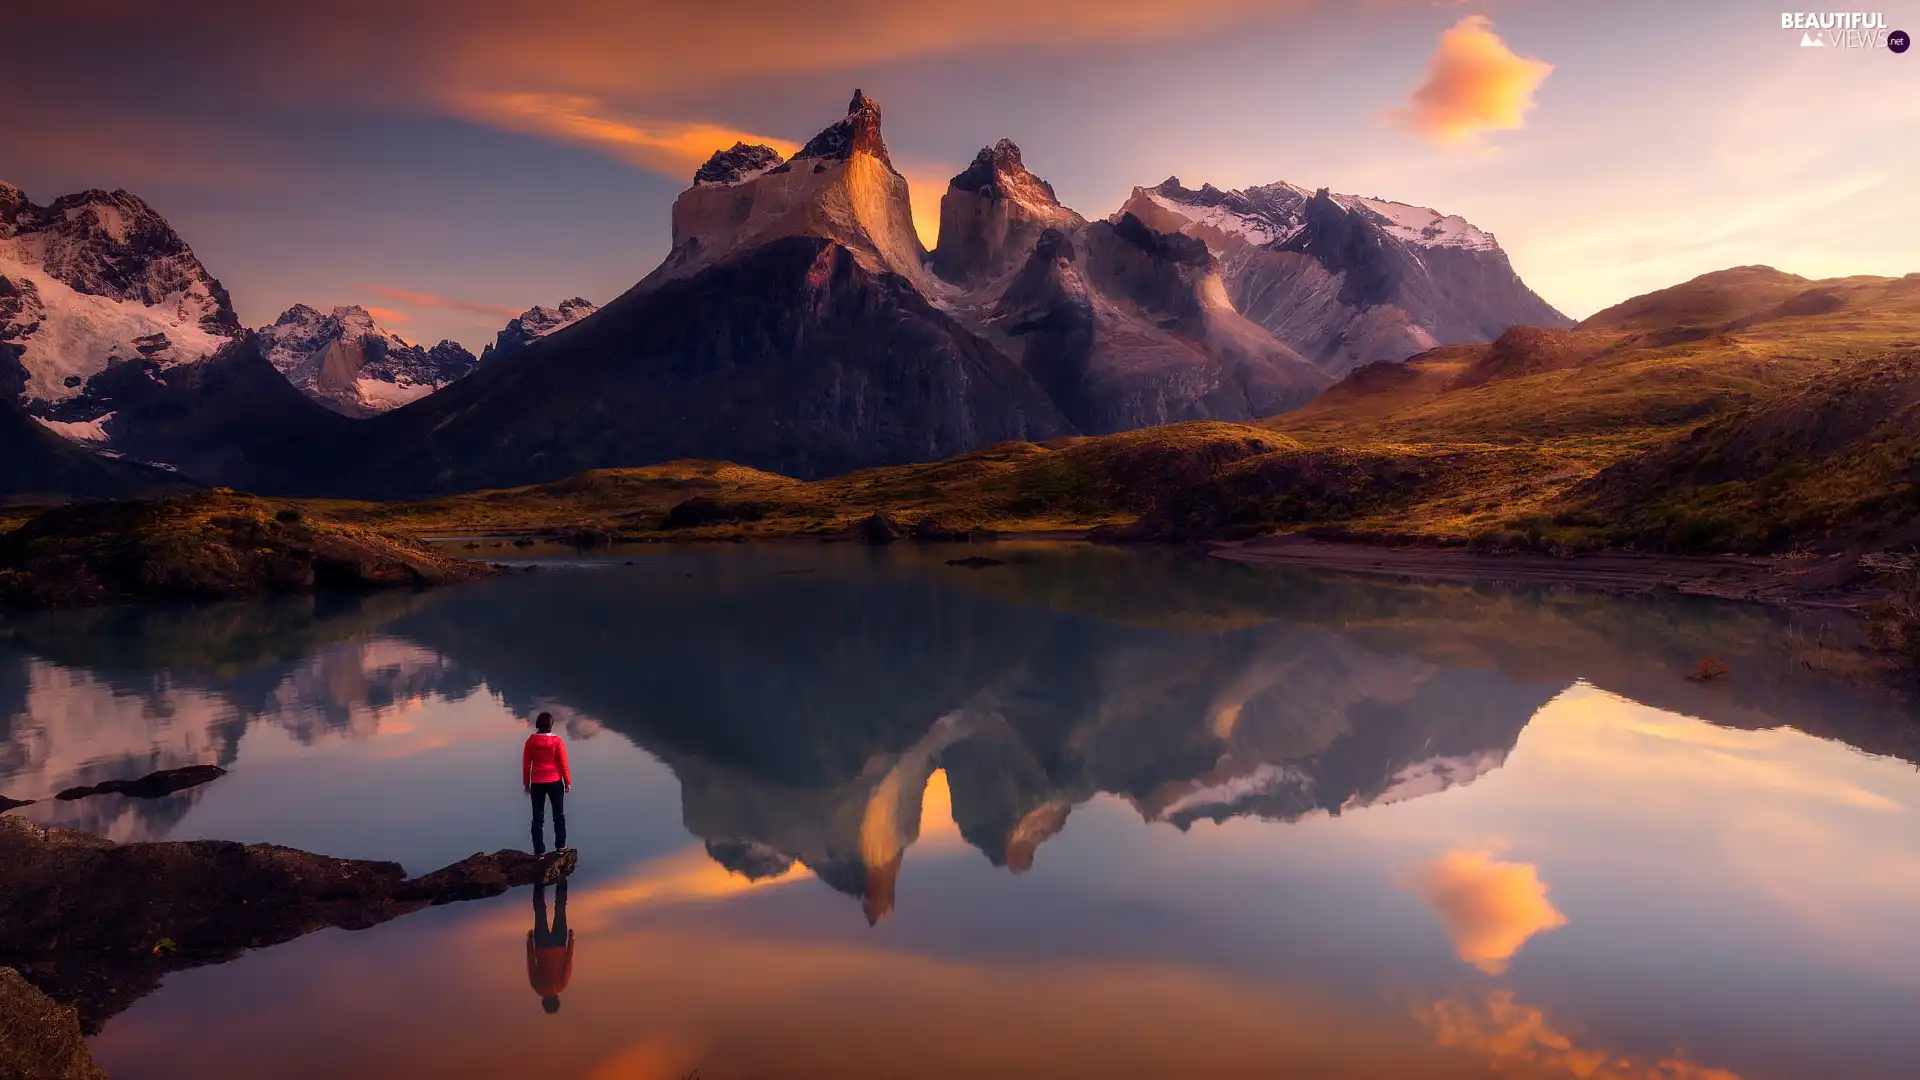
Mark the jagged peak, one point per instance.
(10, 197)
(297, 313)
(737, 164)
(858, 131)
(997, 171)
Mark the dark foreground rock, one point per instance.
(151, 786)
(39, 1039)
(206, 546)
(98, 925)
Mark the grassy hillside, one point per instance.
(209, 545)
(1067, 484)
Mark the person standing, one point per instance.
(545, 776)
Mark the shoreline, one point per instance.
(1831, 582)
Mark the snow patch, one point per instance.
(1434, 775)
(1220, 219)
(1423, 226)
(88, 432)
(79, 335)
(1230, 793)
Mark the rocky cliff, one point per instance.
(1123, 326)
(1347, 280)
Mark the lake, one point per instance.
(1089, 813)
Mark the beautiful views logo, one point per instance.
(1844, 30)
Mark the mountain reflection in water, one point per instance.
(835, 714)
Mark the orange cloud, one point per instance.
(387, 314)
(675, 148)
(1474, 84)
(429, 300)
(1511, 1034)
(1489, 908)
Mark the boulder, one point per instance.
(151, 786)
(39, 1039)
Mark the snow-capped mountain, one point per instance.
(1348, 280)
(94, 281)
(1124, 326)
(536, 322)
(347, 362)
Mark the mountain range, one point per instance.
(797, 325)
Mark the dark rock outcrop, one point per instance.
(39, 1039)
(858, 133)
(733, 165)
(154, 785)
(99, 925)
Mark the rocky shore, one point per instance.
(97, 925)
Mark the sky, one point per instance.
(451, 164)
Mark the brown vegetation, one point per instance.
(209, 545)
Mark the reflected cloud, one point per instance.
(1516, 1038)
(1489, 908)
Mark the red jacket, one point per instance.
(549, 968)
(544, 760)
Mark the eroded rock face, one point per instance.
(99, 925)
(1123, 324)
(39, 1039)
(993, 214)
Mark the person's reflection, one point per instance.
(550, 948)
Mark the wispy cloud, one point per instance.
(1474, 84)
(387, 314)
(441, 303)
(665, 146)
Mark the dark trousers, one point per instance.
(556, 793)
(552, 936)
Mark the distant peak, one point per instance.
(860, 131)
(743, 161)
(998, 172)
(296, 313)
(10, 197)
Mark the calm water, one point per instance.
(1089, 814)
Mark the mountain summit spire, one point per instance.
(859, 131)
